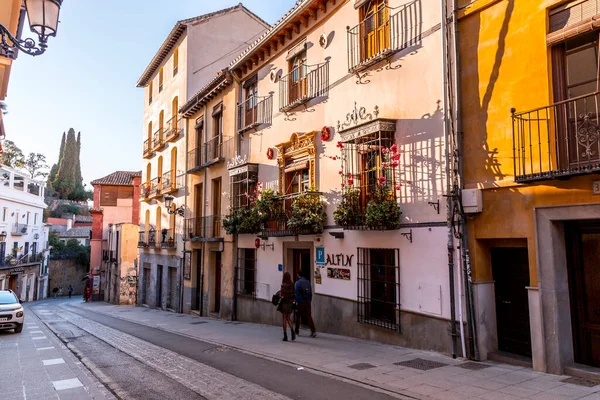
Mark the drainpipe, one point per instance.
(204, 186)
(466, 258)
(449, 200)
(235, 235)
(181, 276)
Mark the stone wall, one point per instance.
(67, 272)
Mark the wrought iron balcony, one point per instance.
(19, 229)
(194, 162)
(145, 191)
(172, 181)
(303, 84)
(22, 259)
(147, 148)
(152, 237)
(204, 229)
(279, 226)
(167, 239)
(158, 139)
(142, 240)
(378, 36)
(255, 112)
(174, 129)
(557, 141)
(155, 187)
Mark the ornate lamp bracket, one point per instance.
(27, 46)
(408, 235)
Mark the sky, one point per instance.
(86, 79)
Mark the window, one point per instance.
(4, 177)
(19, 182)
(251, 98)
(214, 145)
(363, 161)
(108, 196)
(216, 208)
(4, 213)
(27, 218)
(176, 61)
(243, 180)
(150, 86)
(297, 81)
(35, 217)
(379, 287)
(160, 80)
(246, 273)
(374, 15)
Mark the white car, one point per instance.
(12, 314)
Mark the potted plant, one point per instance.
(382, 211)
(348, 213)
(308, 213)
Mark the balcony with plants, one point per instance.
(368, 196)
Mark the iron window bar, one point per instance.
(195, 159)
(245, 273)
(557, 141)
(303, 84)
(372, 40)
(142, 239)
(378, 281)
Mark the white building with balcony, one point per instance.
(23, 235)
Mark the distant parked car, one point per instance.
(12, 314)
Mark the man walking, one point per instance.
(303, 300)
(70, 290)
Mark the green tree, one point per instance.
(68, 182)
(35, 163)
(54, 169)
(12, 156)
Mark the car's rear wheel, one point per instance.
(19, 328)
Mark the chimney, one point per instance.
(70, 222)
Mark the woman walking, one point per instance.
(286, 304)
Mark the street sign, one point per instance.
(320, 256)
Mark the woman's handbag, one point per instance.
(276, 298)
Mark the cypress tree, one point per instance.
(54, 169)
(78, 177)
(68, 182)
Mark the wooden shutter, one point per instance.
(109, 196)
(572, 19)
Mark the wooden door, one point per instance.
(510, 268)
(197, 299)
(217, 282)
(375, 28)
(383, 285)
(159, 285)
(197, 222)
(583, 242)
(301, 262)
(216, 224)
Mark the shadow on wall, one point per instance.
(483, 154)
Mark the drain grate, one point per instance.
(361, 366)
(8, 345)
(581, 382)
(421, 364)
(473, 366)
(198, 322)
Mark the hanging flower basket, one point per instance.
(325, 134)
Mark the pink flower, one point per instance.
(398, 187)
(384, 150)
(394, 148)
(349, 174)
(382, 179)
(340, 145)
(350, 182)
(247, 195)
(409, 182)
(384, 165)
(394, 164)
(340, 172)
(396, 156)
(343, 185)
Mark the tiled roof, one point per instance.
(208, 92)
(84, 218)
(299, 7)
(119, 178)
(79, 232)
(176, 34)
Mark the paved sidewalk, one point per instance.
(421, 374)
(35, 365)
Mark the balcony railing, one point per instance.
(279, 226)
(158, 139)
(255, 112)
(19, 229)
(194, 159)
(146, 190)
(172, 181)
(142, 240)
(379, 36)
(23, 259)
(208, 228)
(557, 141)
(155, 187)
(167, 239)
(173, 129)
(147, 148)
(152, 237)
(303, 84)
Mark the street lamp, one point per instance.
(170, 207)
(2, 236)
(43, 20)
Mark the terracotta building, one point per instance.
(116, 202)
(192, 53)
(529, 113)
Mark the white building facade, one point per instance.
(24, 249)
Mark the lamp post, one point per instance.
(170, 207)
(43, 20)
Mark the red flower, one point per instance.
(396, 156)
(343, 185)
(382, 179)
(394, 148)
(398, 187)
(340, 145)
(350, 182)
(349, 174)
(394, 164)
(334, 158)
(384, 150)
(409, 182)
(340, 172)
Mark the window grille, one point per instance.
(379, 288)
(246, 273)
(242, 181)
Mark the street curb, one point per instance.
(316, 370)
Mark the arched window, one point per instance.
(160, 80)
(173, 175)
(150, 87)
(176, 61)
(158, 223)
(161, 123)
(148, 173)
(147, 227)
(160, 172)
(174, 112)
(149, 135)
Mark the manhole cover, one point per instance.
(581, 382)
(421, 364)
(8, 345)
(473, 366)
(198, 322)
(361, 366)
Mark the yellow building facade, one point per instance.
(529, 120)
